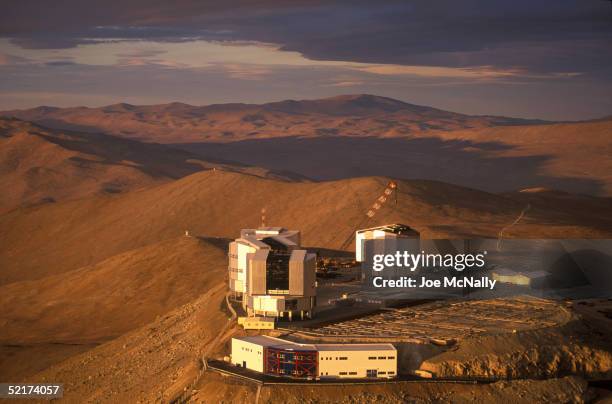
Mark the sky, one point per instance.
(524, 58)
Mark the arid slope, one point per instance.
(116, 295)
(572, 157)
(41, 165)
(74, 234)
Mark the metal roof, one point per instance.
(279, 343)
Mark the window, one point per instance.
(371, 357)
(382, 357)
(391, 373)
(343, 358)
(390, 357)
(277, 266)
(382, 373)
(352, 373)
(291, 304)
(342, 373)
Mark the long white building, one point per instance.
(278, 357)
(274, 277)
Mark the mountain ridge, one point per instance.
(42, 165)
(350, 115)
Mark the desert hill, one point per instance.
(352, 115)
(41, 165)
(73, 234)
(574, 157)
(53, 318)
(147, 361)
(112, 297)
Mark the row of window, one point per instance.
(343, 358)
(295, 357)
(354, 373)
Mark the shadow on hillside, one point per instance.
(459, 162)
(153, 159)
(219, 242)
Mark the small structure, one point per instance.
(532, 279)
(278, 357)
(256, 323)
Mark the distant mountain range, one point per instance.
(349, 115)
(363, 135)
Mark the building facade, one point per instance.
(383, 240)
(391, 237)
(271, 274)
(278, 357)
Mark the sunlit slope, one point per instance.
(118, 294)
(60, 237)
(40, 165)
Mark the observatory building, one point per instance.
(384, 240)
(272, 275)
(389, 238)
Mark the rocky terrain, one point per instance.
(572, 349)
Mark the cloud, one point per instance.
(8, 59)
(346, 83)
(60, 63)
(543, 36)
(461, 55)
(246, 71)
(480, 72)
